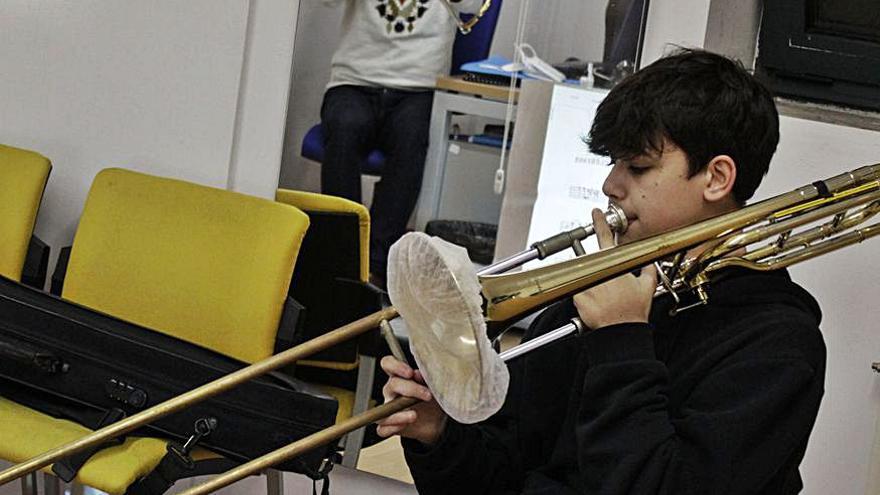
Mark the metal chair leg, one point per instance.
(51, 485)
(29, 484)
(274, 482)
(354, 440)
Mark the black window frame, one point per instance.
(797, 62)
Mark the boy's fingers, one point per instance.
(402, 418)
(395, 387)
(417, 376)
(393, 367)
(396, 423)
(649, 276)
(388, 431)
(603, 231)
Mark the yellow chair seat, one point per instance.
(345, 398)
(110, 468)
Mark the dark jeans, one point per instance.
(359, 119)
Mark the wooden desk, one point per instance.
(457, 84)
(453, 96)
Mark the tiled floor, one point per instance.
(385, 459)
(343, 481)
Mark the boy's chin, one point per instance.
(622, 240)
(632, 234)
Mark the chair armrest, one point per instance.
(60, 270)
(36, 264)
(291, 326)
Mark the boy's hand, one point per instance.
(423, 422)
(624, 299)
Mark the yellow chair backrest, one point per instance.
(206, 265)
(308, 201)
(23, 177)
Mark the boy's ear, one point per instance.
(720, 174)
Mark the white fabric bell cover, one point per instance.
(434, 287)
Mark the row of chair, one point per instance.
(209, 266)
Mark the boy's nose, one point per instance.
(612, 186)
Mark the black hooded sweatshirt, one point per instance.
(719, 399)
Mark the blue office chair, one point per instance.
(467, 48)
(313, 149)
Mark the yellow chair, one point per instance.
(205, 265)
(23, 176)
(332, 282)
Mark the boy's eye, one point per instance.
(638, 170)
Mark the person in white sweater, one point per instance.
(379, 97)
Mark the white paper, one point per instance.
(570, 178)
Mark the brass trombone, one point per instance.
(850, 199)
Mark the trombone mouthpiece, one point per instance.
(616, 219)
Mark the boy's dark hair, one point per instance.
(707, 104)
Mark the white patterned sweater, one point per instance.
(401, 44)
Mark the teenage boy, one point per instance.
(717, 399)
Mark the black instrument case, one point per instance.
(69, 361)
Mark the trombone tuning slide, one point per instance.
(615, 217)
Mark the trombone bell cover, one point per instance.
(433, 285)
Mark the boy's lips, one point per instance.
(630, 219)
(629, 216)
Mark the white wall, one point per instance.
(317, 36)
(263, 97)
(557, 29)
(671, 23)
(845, 284)
(195, 90)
